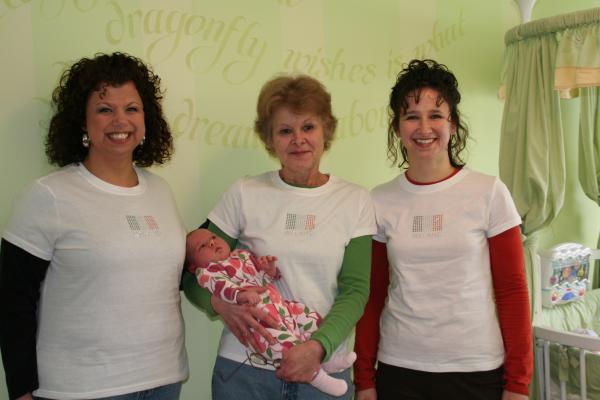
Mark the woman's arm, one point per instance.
(367, 329)
(512, 303)
(353, 292)
(21, 274)
(301, 361)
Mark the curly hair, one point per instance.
(300, 93)
(69, 99)
(420, 74)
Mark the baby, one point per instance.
(232, 275)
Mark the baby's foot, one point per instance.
(339, 362)
(328, 384)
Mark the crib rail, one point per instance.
(543, 338)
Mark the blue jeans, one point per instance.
(232, 381)
(166, 392)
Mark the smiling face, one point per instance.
(114, 123)
(298, 142)
(204, 247)
(425, 128)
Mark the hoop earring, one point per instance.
(85, 140)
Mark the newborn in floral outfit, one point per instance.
(235, 276)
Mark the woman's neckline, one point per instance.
(414, 182)
(322, 180)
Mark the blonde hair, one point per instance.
(300, 93)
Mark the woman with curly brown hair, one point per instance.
(91, 257)
(448, 312)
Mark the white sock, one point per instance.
(329, 384)
(339, 362)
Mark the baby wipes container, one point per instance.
(565, 273)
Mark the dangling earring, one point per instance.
(85, 140)
(142, 141)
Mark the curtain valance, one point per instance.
(577, 37)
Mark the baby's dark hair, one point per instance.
(187, 263)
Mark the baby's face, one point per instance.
(204, 247)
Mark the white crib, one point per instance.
(584, 345)
(567, 363)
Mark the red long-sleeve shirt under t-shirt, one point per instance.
(512, 303)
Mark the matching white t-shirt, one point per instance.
(440, 314)
(109, 314)
(307, 229)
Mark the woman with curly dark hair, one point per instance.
(448, 313)
(91, 257)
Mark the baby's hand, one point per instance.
(248, 297)
(267, 264)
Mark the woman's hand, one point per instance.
(506, 395)
(366, 394)
(240, 318)
(301, 362)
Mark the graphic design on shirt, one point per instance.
(142, 225)
(300, 224)
(427, 225)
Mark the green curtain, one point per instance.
(532, 160)
(544, 60)
(589, 152)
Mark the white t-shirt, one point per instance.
(307, 229)
(109, 315)
(440, 314)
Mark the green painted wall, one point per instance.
(214, 56)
